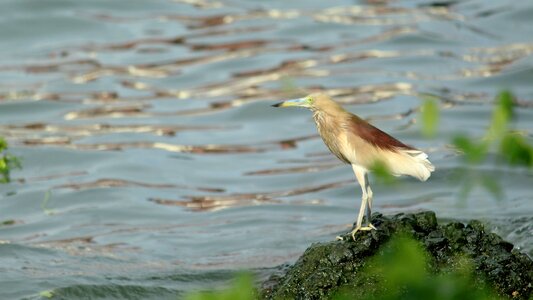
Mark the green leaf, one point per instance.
(429, 114)
(3, 144)
(506, 103)
(7, 162)
(382, 172)
(515, 149)
(474, 153)
(4, 170)
(501, 116)
(406, 262)
(492, 186)
(46, 294)
(241, 289)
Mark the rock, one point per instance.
(327, 268)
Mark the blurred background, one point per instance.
(153, 164)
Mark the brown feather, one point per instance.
(374, 135)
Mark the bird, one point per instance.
(356, 142)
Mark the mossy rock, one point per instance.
(326, 269)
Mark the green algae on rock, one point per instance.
(329, 270)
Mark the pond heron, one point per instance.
(363, 146)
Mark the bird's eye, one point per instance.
(309, 100)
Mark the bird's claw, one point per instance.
(365, 228)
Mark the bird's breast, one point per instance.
(335, 138)
(347, 149)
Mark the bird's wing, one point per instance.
(374, 136)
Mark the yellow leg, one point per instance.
(369, 204)
(366, 200)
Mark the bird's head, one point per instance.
(313, 102)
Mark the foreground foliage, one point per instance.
(508, 143)
(501, 143)
(411, 256)
(242, 288)
(401, 268)
(8, 162)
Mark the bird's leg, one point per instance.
(364, 199)
(360, 174)
(369, 204)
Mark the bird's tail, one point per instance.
(411, 162)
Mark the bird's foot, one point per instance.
(363, 228)
(372, 227)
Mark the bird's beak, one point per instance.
(294, 102)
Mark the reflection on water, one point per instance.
(146, 129)
(205, 203)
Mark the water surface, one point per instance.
(154, 164)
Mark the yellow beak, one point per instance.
(294, 102)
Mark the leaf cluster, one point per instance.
(403, 270)
(8, 162)
(242, 288)
(510, 145)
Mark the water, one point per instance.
(154, 164)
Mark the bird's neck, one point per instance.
(333, 113)
(318, 116)
(323, 119)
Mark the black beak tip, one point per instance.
(277, 104)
